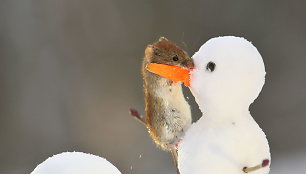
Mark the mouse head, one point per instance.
(167, 52)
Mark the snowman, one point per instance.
(228, 76)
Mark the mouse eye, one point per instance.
(175, 58)
(211, 66)
(157, 53)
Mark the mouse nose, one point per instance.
(188, 63)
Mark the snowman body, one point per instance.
(223, 147)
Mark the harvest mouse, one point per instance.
(168, 114)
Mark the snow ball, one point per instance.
(75, 163)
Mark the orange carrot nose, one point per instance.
(173, 73)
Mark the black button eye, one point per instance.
(211, 66)
(175, 58)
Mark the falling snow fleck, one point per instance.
(131, 167)
(140, 156)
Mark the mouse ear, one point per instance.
(149, 50)
(162, 38)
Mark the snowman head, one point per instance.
(228, 72)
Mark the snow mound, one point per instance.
(75, 163)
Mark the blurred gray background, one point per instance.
(70, 71)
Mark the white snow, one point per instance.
(75, 163)
(226, 138)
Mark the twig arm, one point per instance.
(135, 114)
